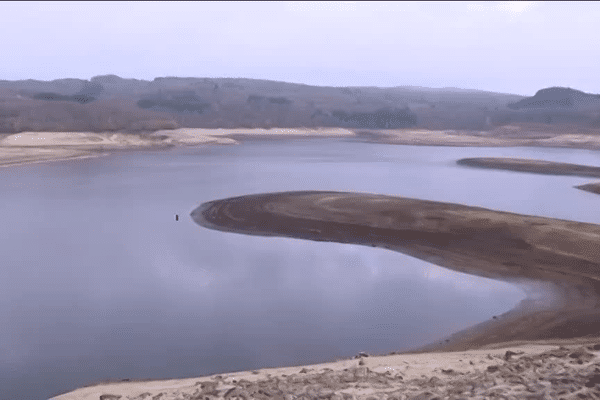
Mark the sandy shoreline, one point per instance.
(35, 147)
(505, 136)
(516, 372)
(30, 147)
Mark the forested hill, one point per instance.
(558, 98)
(111, 103)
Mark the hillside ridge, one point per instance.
(108, 103)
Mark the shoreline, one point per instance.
(35, 147)
(522, 371)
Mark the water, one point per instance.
(98, 281)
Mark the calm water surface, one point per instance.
(98, 281)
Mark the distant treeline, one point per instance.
(87, 94)
(178, 102)
(380, 119)
(79, 98)
(557, 98)
(111, 103)
(254, 99)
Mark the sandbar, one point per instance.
(531, 165)
(519, 249)
(590, 187)
(537, 167)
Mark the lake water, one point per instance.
(98, 281)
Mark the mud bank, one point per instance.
(537, 167)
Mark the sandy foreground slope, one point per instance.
(532, 371)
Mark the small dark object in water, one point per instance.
(176, 217)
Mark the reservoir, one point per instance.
(98, 281)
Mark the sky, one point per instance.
(509, 47)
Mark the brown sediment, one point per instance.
(534, 166)
(521, 249)
(537, 167)
(590, 187)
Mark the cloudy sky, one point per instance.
(511, 47)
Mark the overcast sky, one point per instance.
(511, 47)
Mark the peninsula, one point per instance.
(498, 245)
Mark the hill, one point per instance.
(561, 105)
(558, 98)
(110, 103)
